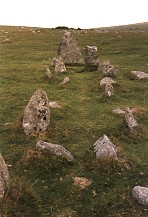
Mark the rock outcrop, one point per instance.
(55, 149)
(140, 194)
(69, 50)
(104, 148)
(37, 113)
(4, 179)
(91, 57)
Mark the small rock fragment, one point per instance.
(54, 105)
(55, 149)
(140, 194)
(82, 182)
(48, 73)
(139, 74)
(65, 80)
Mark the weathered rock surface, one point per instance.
(37, 113)
(4, 178)
(139, 74)
(107, 80)
(59, 65)
(48, 73)
(104, 148)
(109, 90)
(140, 194)
(119, 111)
(65, 80)
(108, 69)
(130, 120)
(91, 57)
(55, 149)
(69, 50)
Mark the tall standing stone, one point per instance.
(69, 50)
(91, 57)
(4, 178)
(37, 113)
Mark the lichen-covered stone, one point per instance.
(69, 50)
(104, 148)
(139, 74)
(140, 194)
(37, 113)
(130, 120)
(55, 149)
(4, 178)
(91, 57)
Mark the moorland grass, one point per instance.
(41, 184)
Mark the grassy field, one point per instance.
(42, 185)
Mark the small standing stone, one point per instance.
(109, 90)
(65, 80)
(91, 57)
(108, 69)
(55, 149)
(130, 120)
(59, 66)
(48, 73)
(37, 113)
(69, 50)
(4, 178)
(104, 148)
(140, 194)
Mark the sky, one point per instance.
(72, 13)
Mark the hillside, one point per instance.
(42, 184)
(130, 27)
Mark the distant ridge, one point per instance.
(130, 27)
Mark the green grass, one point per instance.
(41, 184)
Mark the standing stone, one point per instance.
(130, 120)
(104, 148)
(108, 69)
(4, 178)
(109, 90)
(91, 57)
(37, 113)
(48, 73)
(55, 149)
(59, 65)
(65, 80)
(140, 194)
(69, 50)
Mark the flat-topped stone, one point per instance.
(107, 80)
(91, 57)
